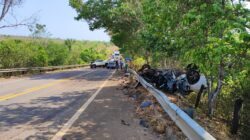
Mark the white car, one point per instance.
(98, 63)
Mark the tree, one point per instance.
(210, 33)
(69, 43)
(57, 53)
(39, 30)
(8, 5)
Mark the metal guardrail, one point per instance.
(188, 126)
(19, 71)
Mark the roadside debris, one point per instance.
(144, 123)
(124, 123)
(149, 112)
(157, 119)
(145, 104)
(127, 74)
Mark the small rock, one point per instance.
(170, 135)
(135, 96)
(124, 123)
(169, 132)
(127, 74)
(144, 123)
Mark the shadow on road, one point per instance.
(42, 117)
(53, 111)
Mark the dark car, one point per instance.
(111, 65)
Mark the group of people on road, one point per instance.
(119, 64)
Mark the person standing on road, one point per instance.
(126, 67)
(117, 64)
(121, 64)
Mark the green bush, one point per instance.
(15, 53)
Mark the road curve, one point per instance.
(79, 104)
(37, 107)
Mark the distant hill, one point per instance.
(99, 45)
(21, 51)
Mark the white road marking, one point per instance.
(71, 121)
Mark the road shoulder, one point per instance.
(110, 116)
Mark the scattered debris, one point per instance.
(158, 121)
(144, 123)
(124, 123)
(146, 104)
(151, 115)
(127, 74)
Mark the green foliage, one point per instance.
(39, 57)
(26, 52)
(89, 55)
(210, 33)
(246, 107)
(13, 53)
(138, 62)
(69, 43)
(57, 54)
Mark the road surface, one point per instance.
(68, 105)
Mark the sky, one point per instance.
(58, 17)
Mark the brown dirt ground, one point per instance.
(158, 119)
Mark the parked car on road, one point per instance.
(98, 63)
(111, 65)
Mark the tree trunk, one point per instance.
(236, 116)
(198, 97)
(165, 62)
(213, 96)
(147, 56)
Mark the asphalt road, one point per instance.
(74, 104)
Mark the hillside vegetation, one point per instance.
(210, 33)
(18, 52)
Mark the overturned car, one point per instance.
(176, 81)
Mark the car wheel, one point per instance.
(94, 66)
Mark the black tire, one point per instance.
(94, 66)
(193, 76)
